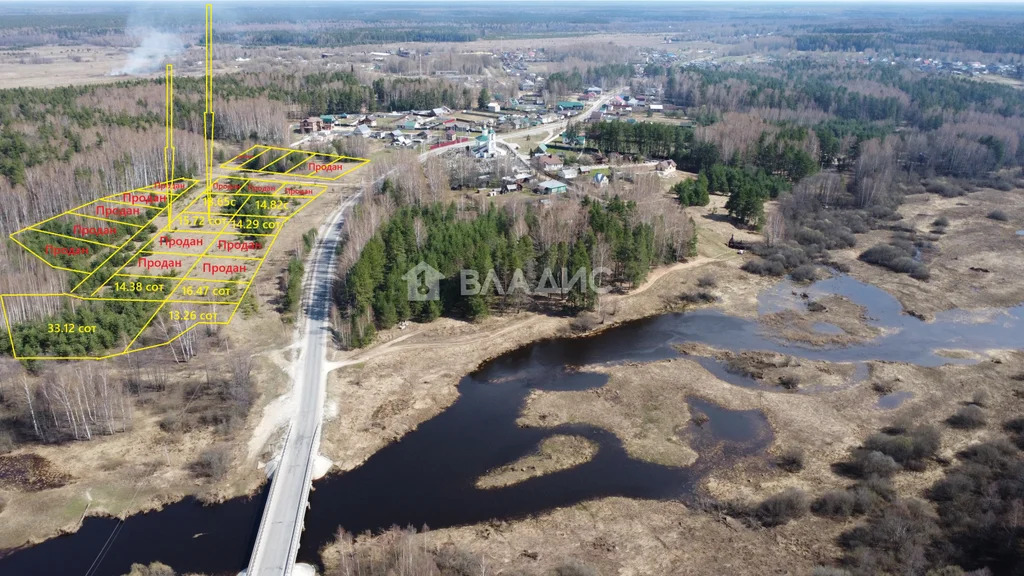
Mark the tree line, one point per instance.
(511, 254)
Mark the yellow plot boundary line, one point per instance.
(246, 284)
(45, 261)
(91, 217)
(175, 289)
(331, 163)
(183, 277)
(302, 163)
(203, 255)
(235, 164)
(140, 250)
(167, 188)
(70, 237)
(10, 327)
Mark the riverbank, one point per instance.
(830, 409)
(177, 416)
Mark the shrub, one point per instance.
(6, 442)
(805, 273)
(944, 189)
(1015, 426)
(967, 418)
(947, 571)
(941, 222)
(789, 382)
(883, 387)
(951, 487)
(808, 236)
(789, 255)
(212, 463)
(763, 267)
(999, 182)
(451, 561)
(791, 460)
(574, 569)
(998, 215)
(3, 504)
(782, 507)
(996, 454)
(920, 272)
(869, 463)
(828, 571)
(882, 254)
(977, 501)
(890, 539)
(154, 569)
(699, 297)
(707, 281)
(897, 256)
(872, 493)
(981, 397)
(834, 504)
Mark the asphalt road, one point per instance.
(277, 543)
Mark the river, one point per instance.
(427, 477)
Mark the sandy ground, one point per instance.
(971, 240)
(396, 386)
(411, 375)
(146, 467)
(378, 394)
(558, 452)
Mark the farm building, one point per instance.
(551, 187)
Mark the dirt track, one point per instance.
(622, 536)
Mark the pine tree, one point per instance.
(581, 294)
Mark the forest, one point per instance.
(522, 249)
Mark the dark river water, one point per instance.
(427, 478)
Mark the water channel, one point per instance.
(427, 478)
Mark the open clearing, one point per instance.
(395, 386)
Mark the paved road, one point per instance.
(278, 541)
(553, 129)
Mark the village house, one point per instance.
(665, 167)
(549, 163)
(312, 124)
(551, 187)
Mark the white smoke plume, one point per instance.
(154, 50)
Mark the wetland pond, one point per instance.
(428, 477)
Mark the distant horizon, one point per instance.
(676, 3)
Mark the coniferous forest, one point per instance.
(518, 248)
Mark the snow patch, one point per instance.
(321, 466)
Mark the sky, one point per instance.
(563, 2)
